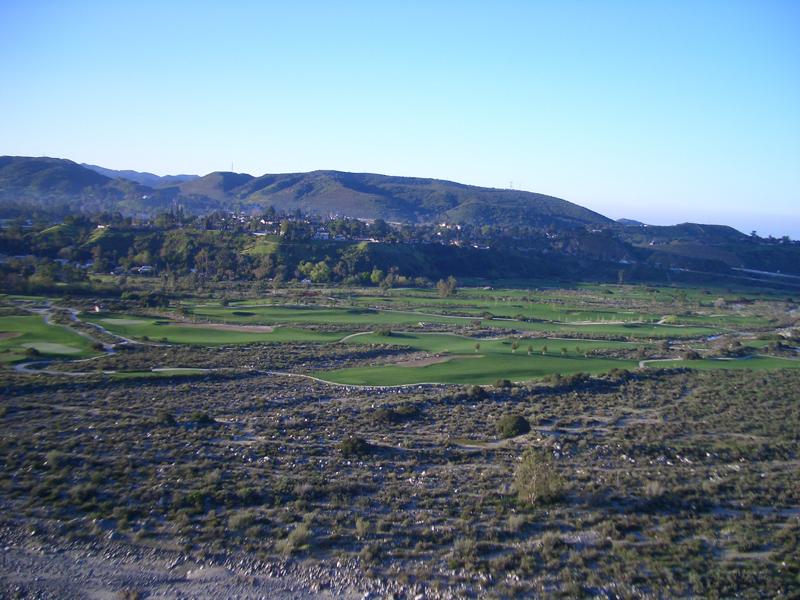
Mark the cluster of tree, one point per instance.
(447, 287)
(224, 247)
(43, 256)
(29, 272)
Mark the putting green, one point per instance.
(19, 333)
(111, 321)
(52, 348)
(158, 330)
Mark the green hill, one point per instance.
(45, 182)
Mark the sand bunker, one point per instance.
(226, 327)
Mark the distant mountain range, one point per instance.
(143, 178)
(48, 182)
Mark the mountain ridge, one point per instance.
(42, 180)
(141, 177)
(56, 188)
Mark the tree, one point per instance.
(201, 261)
(447, 287)
(389, 281)
(100, 263)
(294, 231)
(379, 229)
(477, 346)
(265, 266)
(530, 349)
(376, 277)
(544, 350)
(536, 480)
(320, 273)
(514, 346)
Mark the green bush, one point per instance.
(202, 419)
(395, 414)
(476, 392)
(164, 417)
(354, 446)
(536, 480)
(299, 536)
(512, 425)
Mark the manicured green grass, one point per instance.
(631, 330)
(141, 327)
(504, 303)
(269, 315)
(31, 331)
(463, 369)
(752, 363)
(493, 360)
(22, 298)
(261, 246)
(455, 344)
(365, 317)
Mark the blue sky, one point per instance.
(663, 112)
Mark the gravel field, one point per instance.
(29, 569)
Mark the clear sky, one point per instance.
(658, 111)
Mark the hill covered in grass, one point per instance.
(47, 182)
(143, 177)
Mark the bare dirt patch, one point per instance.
(7, 335)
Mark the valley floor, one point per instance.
(217, 466)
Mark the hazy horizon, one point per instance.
(661, 112)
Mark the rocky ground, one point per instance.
(33, 565)
(675, 484)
